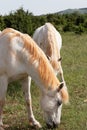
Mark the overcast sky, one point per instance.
(38, 7)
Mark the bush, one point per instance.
(79, 29)
(68, 27)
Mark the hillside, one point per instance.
(69, 11)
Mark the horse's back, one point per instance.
(41, 34)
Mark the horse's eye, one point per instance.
(59, 102)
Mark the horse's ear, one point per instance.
(49, 58)
(60, 86)
(60, 59)
(64, 93)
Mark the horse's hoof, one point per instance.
(35, 124)
(38, 126)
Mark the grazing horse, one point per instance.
(20, 57)
(50, 41)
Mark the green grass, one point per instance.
(74, 115)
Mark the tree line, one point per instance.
(26, 22)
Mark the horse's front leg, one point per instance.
(3, 90)
(26, 88)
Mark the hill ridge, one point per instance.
(69, 11)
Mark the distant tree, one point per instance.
(85, 24)
(23, 20)
(80, 29)
(2, 24)
(50, 18)
(42, 20)
(19, 20)
(80, 19)
(68, 27)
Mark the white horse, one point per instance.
(20, 57)
(50, 41)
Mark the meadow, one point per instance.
(74, 115)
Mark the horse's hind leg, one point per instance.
(26, 88)
(3, 89)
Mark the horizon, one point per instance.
(40, 7)
(13, 11)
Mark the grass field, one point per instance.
(74, 115)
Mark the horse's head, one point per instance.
(51, 104)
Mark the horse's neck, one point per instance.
(39, 67)
(34, 60)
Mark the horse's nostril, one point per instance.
(55, 125)
(49, 125)
(52, 125)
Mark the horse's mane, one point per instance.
(45, 70)
(52, 40)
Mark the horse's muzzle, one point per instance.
(52, 125)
